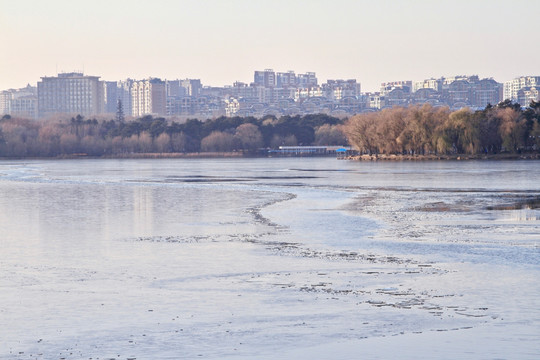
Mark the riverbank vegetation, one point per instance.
(418, 131)
(148, 134)
(426, 130)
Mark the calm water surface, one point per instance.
(243, 258)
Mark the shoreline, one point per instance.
(456, 157)
(229, 155)
(209, 155)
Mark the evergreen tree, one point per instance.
(119, 111)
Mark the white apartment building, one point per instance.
(5, 97)
(286, 79)
(24, 106)
(148, 97)
(512, 87)
(449, 80)
(19, 102)
(376, 101)
(232, 106)
(387, 87)
(70, 93)
(301, 94)
(435, 84)
(306, 80)
(335, 90)
(528, 94)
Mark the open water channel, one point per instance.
(280, 258)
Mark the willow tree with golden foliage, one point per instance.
(435, 130)
(362, 134)
(457, 134)
(421, 123)
(398, 130)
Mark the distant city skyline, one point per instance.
(376, 88)
(270, 93)
(220, 42)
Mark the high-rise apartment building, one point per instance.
(115, 92)
(266, 78)
(70, 93)
(148, 97)
(528, 94)
(123, 91)
(339, 89)
(20, 102)
(435, 84)
(5, 97)
(286, 79)
(110, 96)
(306, 80)
(174, 89)
(24, 106)
(523, 84)
(184, 97)
(192, 87)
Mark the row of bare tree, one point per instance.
(58, 137)
(413, 130)
(437, 130)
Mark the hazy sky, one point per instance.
(222, 41)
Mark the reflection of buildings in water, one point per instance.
(143, 211)
(108, 207)
(19, 220)
(524, 215)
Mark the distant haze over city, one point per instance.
(220, 42)
(373, 86)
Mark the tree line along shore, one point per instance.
(505, 130)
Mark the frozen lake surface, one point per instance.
(269, 259)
